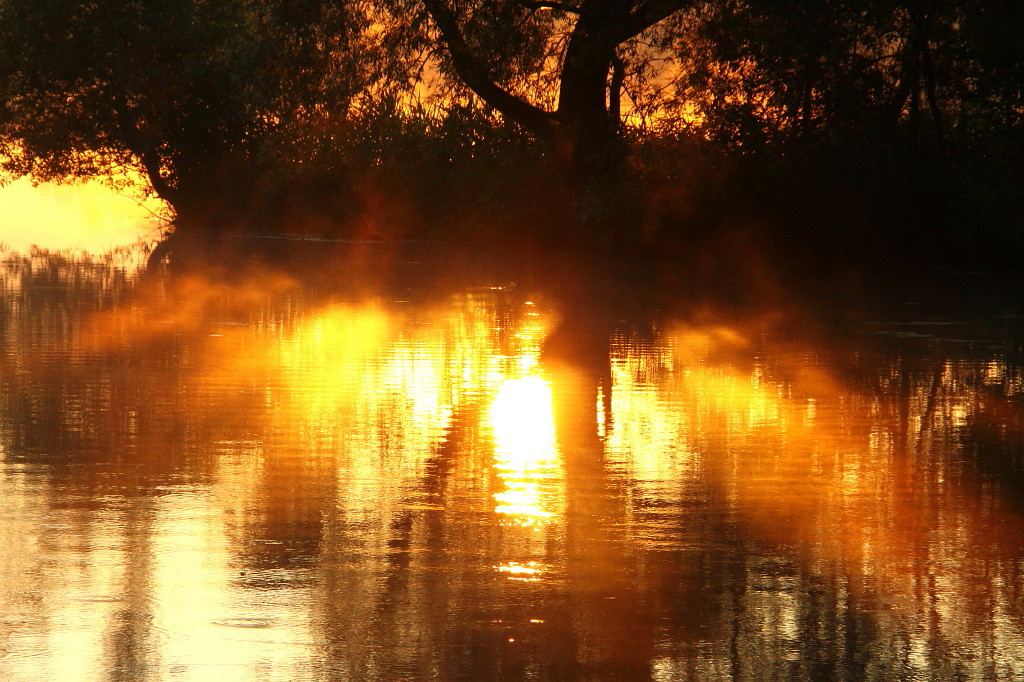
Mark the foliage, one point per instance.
(191, 91)
(764, 71)
(615, 113)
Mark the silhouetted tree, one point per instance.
(214, 101)
(558, 70)
(200, 96)
(873, 71)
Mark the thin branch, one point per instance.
(470, 70)
(151, 164)
(647, 14)
(615, 91)
(146, 208)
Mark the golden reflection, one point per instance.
(529, 571)
(525, 455)
(869, 479)
(85, 217)
(211, 475)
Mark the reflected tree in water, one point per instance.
(739, 507)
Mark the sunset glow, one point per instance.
(525, 451)
(90, 218)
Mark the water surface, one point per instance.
(236, 478)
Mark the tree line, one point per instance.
(603, 107)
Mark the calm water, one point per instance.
(249, 478)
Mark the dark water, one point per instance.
(255, 479)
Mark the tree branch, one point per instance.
(647, 14)
(615, 91)
(471, 71)
(151, 164)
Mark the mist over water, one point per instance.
(259, 475)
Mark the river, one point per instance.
(259, 476)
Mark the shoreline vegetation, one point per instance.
(744, 144)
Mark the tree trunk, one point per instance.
(584, 132)
(588, 145)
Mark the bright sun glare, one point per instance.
(86, 217)
(523, 423)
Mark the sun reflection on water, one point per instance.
(374, 484)
(525, 455)
(530, 571)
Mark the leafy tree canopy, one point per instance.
(203, 95)
(189, 91)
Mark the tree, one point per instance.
(200, 95)
(514, 54)
(882, 71)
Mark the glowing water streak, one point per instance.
(525, 455)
